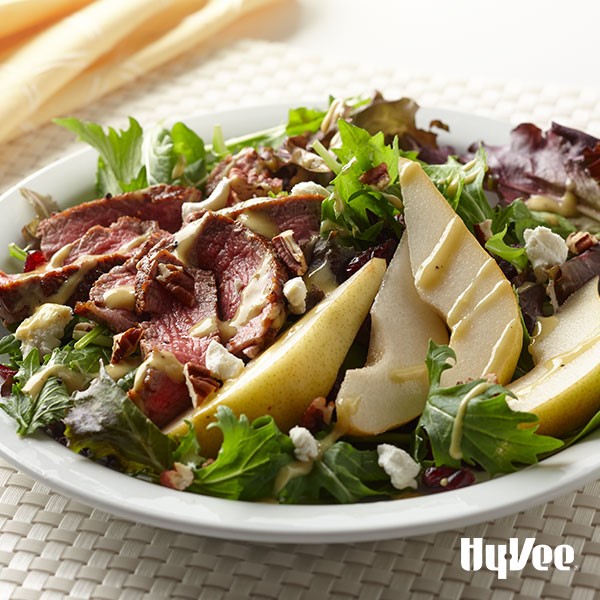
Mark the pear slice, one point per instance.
(563, 389)
(391, 388)
(456, 276)
(300, 366)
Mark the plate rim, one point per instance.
(65, 472)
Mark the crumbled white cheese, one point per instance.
(544, 248)
(216, 201)
(309, 187)
(295, 291)
(44, 328)
(221, 363)
(306, 447)
(399, 465)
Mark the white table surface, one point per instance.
(533, 41)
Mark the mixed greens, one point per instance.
(352, 149)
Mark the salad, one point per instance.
(264, 317)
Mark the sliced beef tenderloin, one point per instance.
(181, 332)
(161, 203)
(249, 277)
(160, 393)
(300, 214)
(160, 275)
(112, 297)
(123, 236)
(182, 329)
(21, 294)
(249, 173)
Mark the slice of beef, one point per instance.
(160, 397)
(250, 173)
(171, 332)
(119, 316)
(249, 277)
(299, 213)
(116, 318)
(124, 235)
(161, 274)
(22, 293)
(161, 203)
(171, 326)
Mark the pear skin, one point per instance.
(300, 366)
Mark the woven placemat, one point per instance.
(54, 547)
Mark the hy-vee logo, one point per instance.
(502, 558)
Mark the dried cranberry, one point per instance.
(35, 259)
(447, 478)
(6, 377)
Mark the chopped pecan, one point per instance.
(178, 281)
(290, 252)
(377, 177)
(580, 241)
(125, 344)
(318, 415)
(200, 382)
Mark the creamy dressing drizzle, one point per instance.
(428, 272)
(555, 364)
(185, 239)
(252, 300)
(259, 223)
(58, 258)
(470, 316)
(162, 360)
(323, 278)
(298, 468)
(36, 382)
(122, 296)
(463, 300)
(457, 427)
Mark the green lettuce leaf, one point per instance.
(515, 255)
(356, 210)
(462, 186)
(176, 156)
(120, 167)
(492, 435)
(249, 460)
(32, 412)
(343, 474)
(105, 422)
(508, 224)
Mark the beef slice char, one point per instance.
(299, 213)
(161, 203)
(21, 294)
(170, 331)
(119, 318)
(249, 277)
(250, 173)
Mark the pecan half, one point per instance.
(125, 344)
(580, 241)
(200, 382)
(290, 252)
(177, 280)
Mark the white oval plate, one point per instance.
(71, 179)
